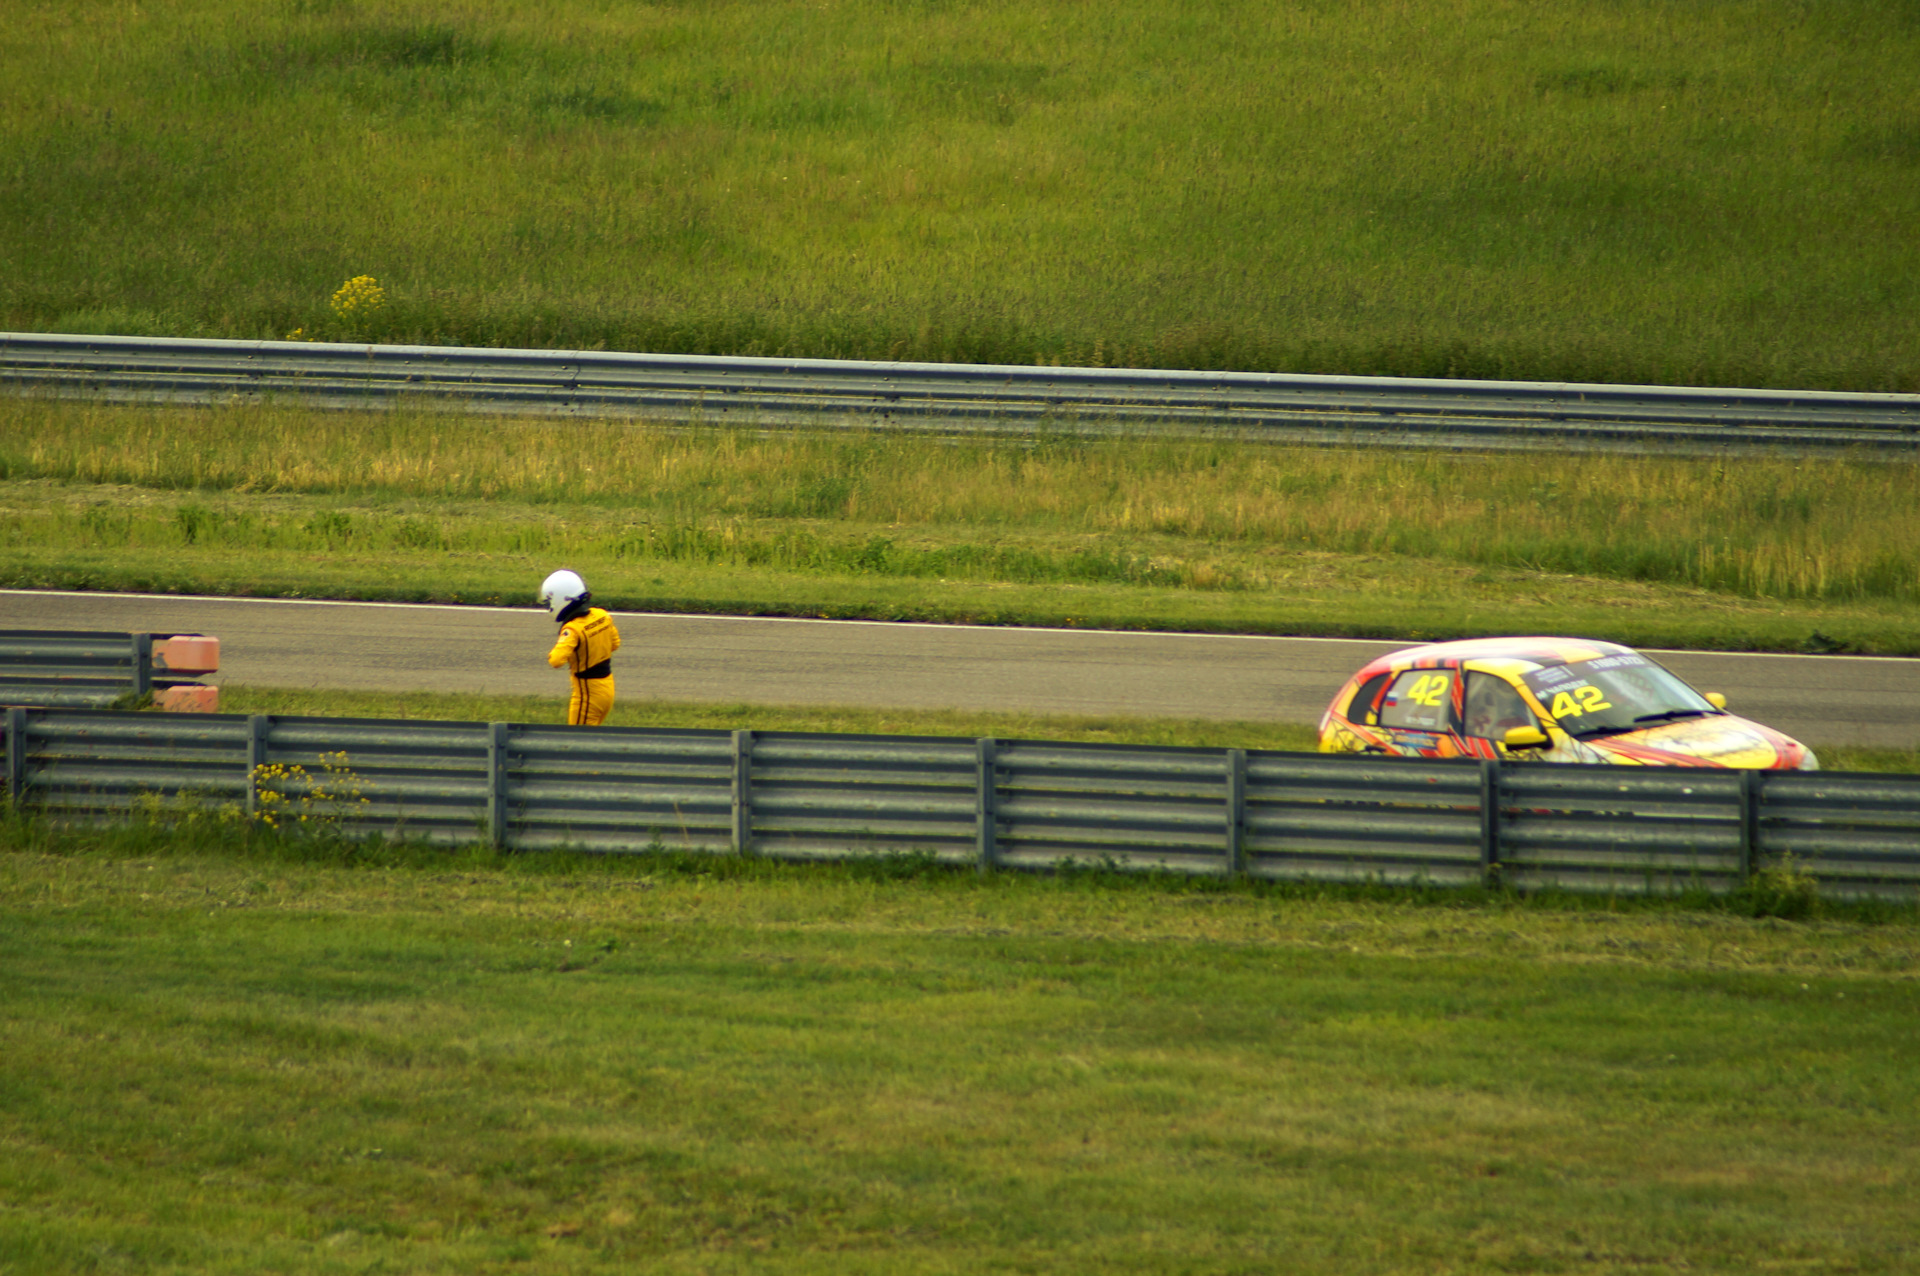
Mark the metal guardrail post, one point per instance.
(142, 665)
(743, 793)
(258, 726)
(16, 756)
(1236, 813)
(986, 809)
(1750, 797)
(1489, 820)
(497, 785)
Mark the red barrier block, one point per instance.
(187, 654)
(187, 699)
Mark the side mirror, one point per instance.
(1717, 700)
(1525, 738)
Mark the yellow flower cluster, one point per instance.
(358, 298)
(286, 792)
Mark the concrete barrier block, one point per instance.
(187, 699)
(187, 654)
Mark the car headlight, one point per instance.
(1810, 761)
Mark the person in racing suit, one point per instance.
(587, 642)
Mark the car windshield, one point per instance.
(1611, 694)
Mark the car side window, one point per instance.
(1360, 707)
(1494, 707)
(1419, 699)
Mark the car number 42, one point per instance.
(1579, 702)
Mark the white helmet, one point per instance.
(561, 589)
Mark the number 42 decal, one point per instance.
(1429, 689)
(1579, 701)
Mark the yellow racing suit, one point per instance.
(586, 647)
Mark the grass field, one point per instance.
(1770, 554)
(228, 1052)
(1650, 190)
(223, 1057)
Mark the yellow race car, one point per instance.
(1548, 700)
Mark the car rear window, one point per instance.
(1419, 699)
(1360, 708)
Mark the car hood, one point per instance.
(1720, 739)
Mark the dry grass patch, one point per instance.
(1752, 552)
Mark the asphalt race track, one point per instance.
(743, 660)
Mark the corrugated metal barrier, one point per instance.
(98, 669)
(965, 398)
(1021, 804)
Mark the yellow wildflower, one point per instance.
(358, 298)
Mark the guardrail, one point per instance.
(100, 668)
(996, 804)
(1381, 411)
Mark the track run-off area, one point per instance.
(1862, 701)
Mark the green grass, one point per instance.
(223, 1057)
(839, 719)
(1742, 553)
(850, 720)
(1652, 190)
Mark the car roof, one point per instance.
(1540, 652)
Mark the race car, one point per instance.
(1548, 700)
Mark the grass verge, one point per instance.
(840, 719)
(230, 1055)
(1743, 553)
(850, 720)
